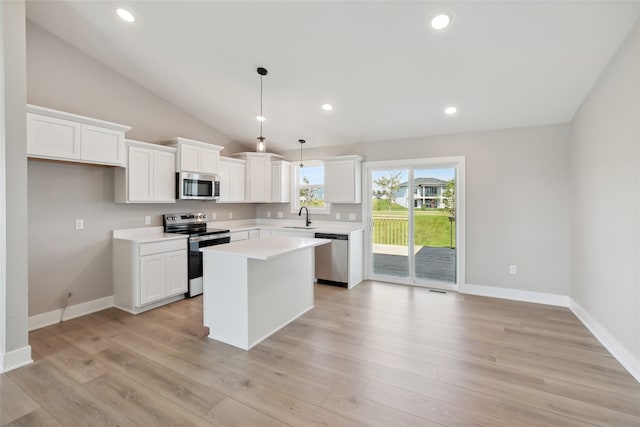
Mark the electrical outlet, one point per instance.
(352, 217)
(268, 214)
(513, 269)
(213, 216)
(80, 224)
(147, 220)
(338, 216)
(280, 215)
(230, 215)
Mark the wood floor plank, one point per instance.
(373, 413)
(14, 403)
(64, 399)
(279, 405)
(231, 413)
(77, 364)
(37, 418)
(170, 384)
(140, 403)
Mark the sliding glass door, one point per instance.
(413, 222)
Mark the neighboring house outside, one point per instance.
(428, 193)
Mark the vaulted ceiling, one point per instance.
(387, 73)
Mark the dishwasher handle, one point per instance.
(332, 236)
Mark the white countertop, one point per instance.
(335, 227)
(264, 249)
(146, 235)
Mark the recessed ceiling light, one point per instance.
(451, 110)
(441, 21)
(327, 107)
(261, 118)
(125, 15)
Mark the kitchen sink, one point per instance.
(300, 227)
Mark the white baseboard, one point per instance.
(15, 359)
(516, 295)
(51, 317)
(617, 350)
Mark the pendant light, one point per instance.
(262, 146)
(301, 141)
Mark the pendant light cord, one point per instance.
(261, 119)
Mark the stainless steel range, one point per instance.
(195, 226)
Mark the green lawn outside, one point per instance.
(432, 227)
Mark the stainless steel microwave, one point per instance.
(197, 186)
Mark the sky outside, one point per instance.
(443, 174)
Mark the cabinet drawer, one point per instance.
(160, 247)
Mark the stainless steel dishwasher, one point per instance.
(332, 260)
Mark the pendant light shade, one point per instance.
(301, 141)
(261, 147)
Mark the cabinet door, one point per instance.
(265, 233)
(152, 278)
(225, 182)
(254, 234)
(341, 181)
(100, 145)
(239, 235)
(258, 179)
(51, 137)
(164, 177)
(189, 158)
(236, 174)
(209, 160)
(281, 182)
(176, 272)
(140, 172)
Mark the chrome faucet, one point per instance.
(307, 221)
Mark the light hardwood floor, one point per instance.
(379, 354)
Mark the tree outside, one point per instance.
(309, 194)
(385, 189)
(449, 197)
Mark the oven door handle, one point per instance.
(206, 238)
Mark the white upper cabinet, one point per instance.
(53, 134)
(258, 176)
(343, 179)
(280, 181)
(195, 156)
(232, 177)
(150, 175)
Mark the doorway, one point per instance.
(415, 222)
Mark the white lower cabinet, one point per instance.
(147, 275)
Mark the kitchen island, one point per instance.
(252, 288)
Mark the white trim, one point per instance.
(295, 196)
(15, 359)
(3, 206)
(516, 295)
(630, 362)
(52, 317)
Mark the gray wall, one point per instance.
(15, 296)
(605, 172)
(60, 258)
(517, 200)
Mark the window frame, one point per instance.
(295, 189)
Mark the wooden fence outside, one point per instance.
(391, 230)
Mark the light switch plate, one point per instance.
(513, 269)
(352, 217)
(213, 216)
(147, 220)
(80, 224)
(230, 215)
(338, 216)
(268, 214)
(280, 215)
